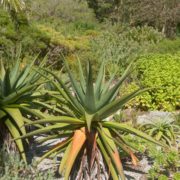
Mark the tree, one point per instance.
(163, 15)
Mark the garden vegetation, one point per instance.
(69, 73)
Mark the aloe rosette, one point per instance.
(86, 105)
(17, 86)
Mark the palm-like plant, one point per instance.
(16, 5)
(87, 105)
(161, 129)
(17, 85)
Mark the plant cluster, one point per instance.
(65, 11)
(161, 73)
(165, 165)
(165, 46)
(17, 85)
(12, 167)
(80, 116)
(121, 45)
(43, 38)
(33, 41)
(162, 15)
(165, 162)
(16, 5)
(162, 129)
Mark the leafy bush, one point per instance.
(120, 45)
(38, 38)
(176, 176)
(67, 11)
(6, 33)
(160, 72)
(165, 161)
(32, 39)
(67, 17)
(165, 164)
(142, 35)
(167, 46)
(11, 167)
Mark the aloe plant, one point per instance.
(161, 128)
(86, 106)
(17, 86)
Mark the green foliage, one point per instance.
(144, 35)
(160, 72)
(162, 177)
(15, 5)
(67, 43)
(176, 176)
(66, 11)
(17, 85)
(162, 129)
(84, 123)
(167, 46)
(33, 40)
(12, 167)
(121, 45)
(6, 30)
(45, 37)
(67, 17)
(162, 15)
(166, 163)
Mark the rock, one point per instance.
(139, 172)
(155, 115)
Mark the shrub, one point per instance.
(65, 11)
(143, 35)
(176, 176)
(160, 72)
(11, 167)
(165, 163)
(32, 39)
(120, 45)
(167, 46)
(38, 38)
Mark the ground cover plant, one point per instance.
(12, 167)
(85, 126)
(159, 71)
(165, 162)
